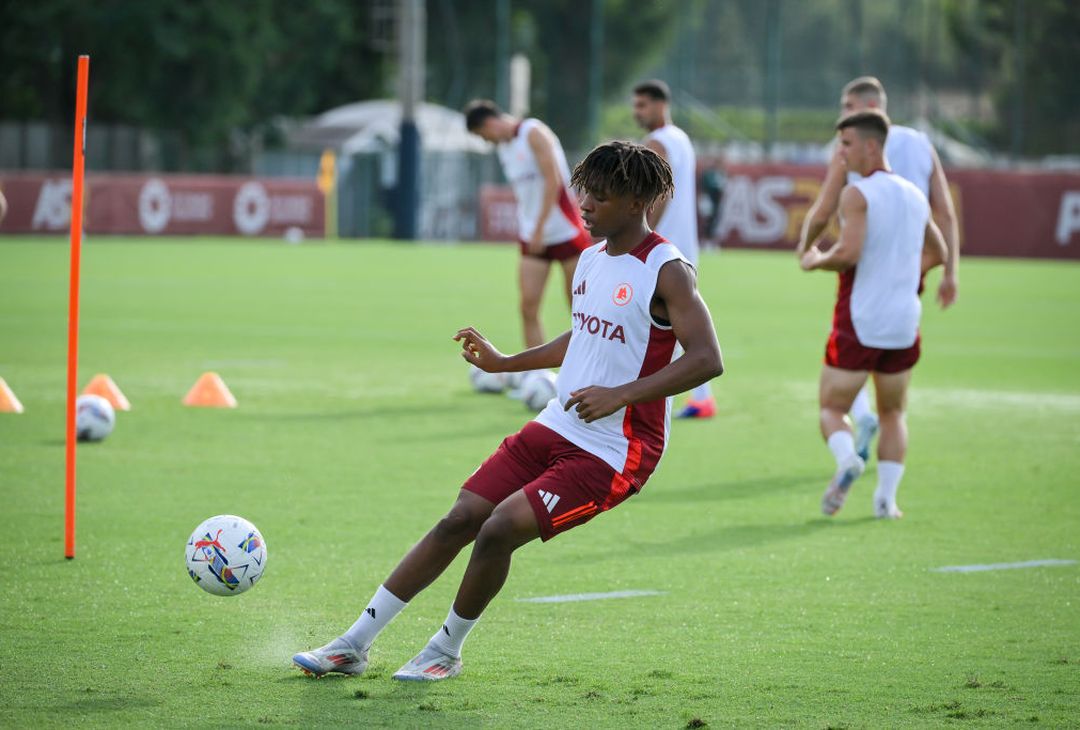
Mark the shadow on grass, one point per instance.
(108, 703)
(379, 701)
(734, 488)
(732, 537)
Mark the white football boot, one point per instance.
(837, 492)
(338, 656)
(430, 665)
(865, 430)
(884, 510)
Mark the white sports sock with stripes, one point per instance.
(452, 635)
(382, 608)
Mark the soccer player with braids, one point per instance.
(596, 443)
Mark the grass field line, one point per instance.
(574, 597)
(978, 568)
(967, 398)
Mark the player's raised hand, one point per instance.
(476, 349)
(595, 402)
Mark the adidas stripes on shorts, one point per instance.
(565, 485)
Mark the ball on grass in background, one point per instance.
(94, 418)
(515, 380)
(537, 389)
(294, 235)
(225, 555)
(485, 382)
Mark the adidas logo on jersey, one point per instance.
(550, 500)
(580, 289)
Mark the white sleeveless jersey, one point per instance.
(519, 165)
(679, 224)
(910, 155)
(614, 341)
(885, 306)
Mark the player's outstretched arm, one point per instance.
(844, 253)
(476, 348)
(676, 288)
(944, 215)
(822, 210)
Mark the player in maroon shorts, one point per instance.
(549, 224)
(595, 444)
(885, 226)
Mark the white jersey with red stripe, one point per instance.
(910, 155)
(885, 306)
(615, 340)
(679, 223)
(527, 181)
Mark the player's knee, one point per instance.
(458, 526)
(890, 412)
(495, 536)
(530, 309)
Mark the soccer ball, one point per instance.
(514, 380)
(94, 418)
(537, 389)
(225, 555)
(485, 382)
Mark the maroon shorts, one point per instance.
(560, 251)
(844, 351)
(565, 485)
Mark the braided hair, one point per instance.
(624, 168)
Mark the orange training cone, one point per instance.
(8, 402)
(104, 386)
(210, 391)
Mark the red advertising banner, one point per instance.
(165, 204)
(763, 206)
(498, 214)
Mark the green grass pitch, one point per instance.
(356, 426)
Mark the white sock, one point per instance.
(382, 608)
(702, 392)
(452, 635)
(842, 446)
(889, 474)
(860, 409)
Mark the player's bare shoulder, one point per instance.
(852, 200)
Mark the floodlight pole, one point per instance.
(411, 22)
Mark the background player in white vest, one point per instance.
(910, 155)
(595, 444)
(549, 224)
(885, 225)
(674, 218)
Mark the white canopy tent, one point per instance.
(374, 126)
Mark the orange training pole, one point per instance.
(77, 165)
